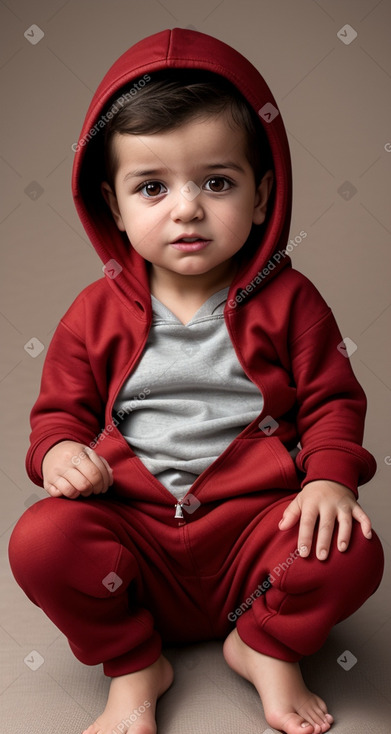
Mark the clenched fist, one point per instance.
(72, 469)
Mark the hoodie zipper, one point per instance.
(179, 511)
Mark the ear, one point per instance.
(112, 202)
(262, 197)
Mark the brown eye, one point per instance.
(218, 184)
(151, 189)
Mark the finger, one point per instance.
(65, 488)
(102, 468)
(77, 480)
(325, 533)
(361, 517)
(290, 516)
(109, 470)
(306, 533)
(344, 530)
(51, 489)
(86, 476)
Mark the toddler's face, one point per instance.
(190, 182)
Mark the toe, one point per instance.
(294, 724)
(311, 712)
(322, 716)
(319, 717)
(321, 709)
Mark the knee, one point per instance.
(33, 539)
(362, 564)
(369, 558)
(61, 543)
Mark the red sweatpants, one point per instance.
(118, 579)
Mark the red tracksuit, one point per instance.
(118, 573)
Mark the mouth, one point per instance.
(190, 243)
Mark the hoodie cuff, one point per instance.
(339, 465)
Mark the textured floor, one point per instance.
(333, 88)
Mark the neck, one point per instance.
(185, 294)
(191, 287)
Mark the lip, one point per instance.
(199, 244)
(190, 246)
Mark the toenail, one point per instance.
(305, 723)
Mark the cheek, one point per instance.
(135, 223)
(239, 213)
(239, 225)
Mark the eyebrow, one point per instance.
(142, 172)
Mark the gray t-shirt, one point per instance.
(199, 398)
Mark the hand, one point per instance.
(329, 501)
(72, 469)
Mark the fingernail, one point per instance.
(369, 535)
(322, 554)
(342, 546)
(303, 552)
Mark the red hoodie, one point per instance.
(283, 332)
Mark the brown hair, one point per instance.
(168, 99)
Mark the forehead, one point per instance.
(197, 141)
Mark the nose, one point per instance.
(187, 205)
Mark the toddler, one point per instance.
(198, 427)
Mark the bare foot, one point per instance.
(287, 702)
(132, 701)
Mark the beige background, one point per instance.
(335, 100)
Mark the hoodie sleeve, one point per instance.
(69, 405)
(331, 403)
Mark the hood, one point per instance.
(180, 48)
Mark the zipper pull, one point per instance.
(178, 511)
